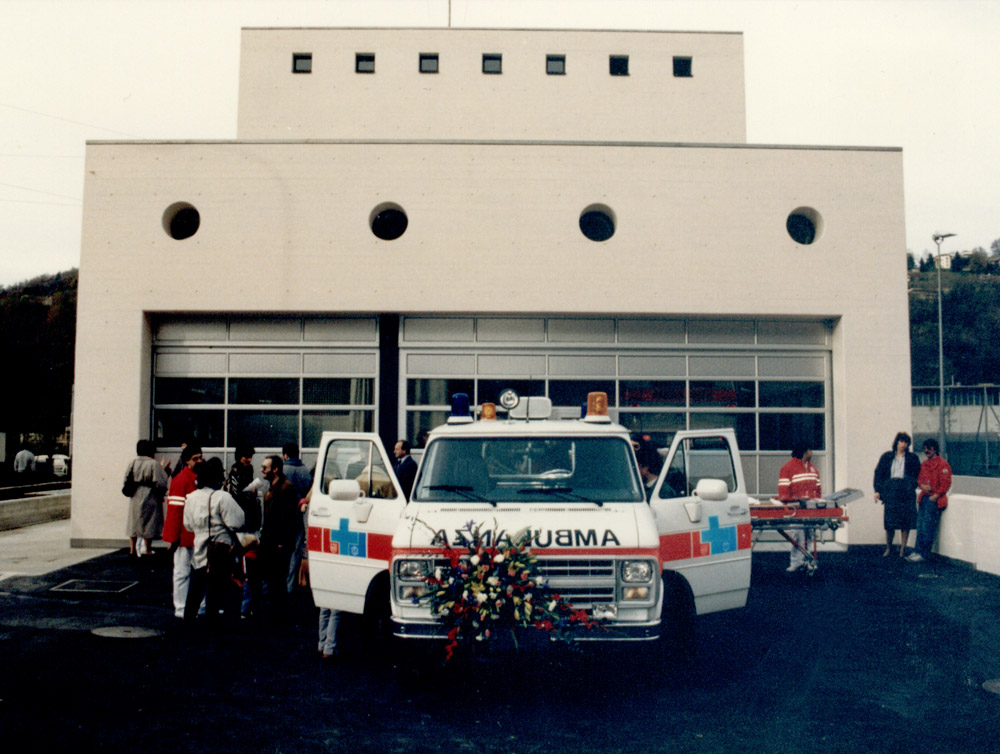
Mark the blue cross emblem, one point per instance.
(720, 539)
(352, 543)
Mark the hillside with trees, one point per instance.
(37, 338)
(970, 307)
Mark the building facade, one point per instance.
(411, 213)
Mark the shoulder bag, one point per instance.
(130, 486)
(227, 556)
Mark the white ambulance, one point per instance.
(643, 568)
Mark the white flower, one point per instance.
(527, 597)
(493, 580)
(552, 606)
(481, 597)
(437, 573)
(474, 560)
(465, 594)
(498, 558)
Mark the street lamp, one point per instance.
(938, 238)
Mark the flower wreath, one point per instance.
(491, 586)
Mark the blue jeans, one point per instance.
(928, 516)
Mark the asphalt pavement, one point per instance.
(871, 654)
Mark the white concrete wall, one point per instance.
(968, 531)
(523, 102)
(492, 229)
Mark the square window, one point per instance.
(682, 67)
(555, 65)
(302, 62)
(364, 62)
(492, 63)
(428, 62)
(618, 65)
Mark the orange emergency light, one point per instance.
(597, 407)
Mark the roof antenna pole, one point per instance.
(449, 14)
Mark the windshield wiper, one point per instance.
(567, 491)
(463, 490)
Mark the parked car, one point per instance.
(60, 465)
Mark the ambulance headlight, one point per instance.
(412, 570)
(634, 571)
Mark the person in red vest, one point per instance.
(934, 482)
(798, 480)
(181, 540)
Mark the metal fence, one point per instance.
(971, 425)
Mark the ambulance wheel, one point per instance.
(677, 633)
(376, 630)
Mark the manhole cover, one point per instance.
(992, 686)
(126, 632)
(103, 587)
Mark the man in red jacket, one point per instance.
(934, 482)
(798, 480)
(181, 540)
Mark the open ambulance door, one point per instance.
(354, 511)
(703, 518)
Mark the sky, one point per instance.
(921, 75)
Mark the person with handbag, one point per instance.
(145, 486)
(214, 516)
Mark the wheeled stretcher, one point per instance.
(812, 516)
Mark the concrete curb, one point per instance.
(38, 509)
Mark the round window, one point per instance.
(804, 225)
(388, 221)
(181, 220)
(597, 222)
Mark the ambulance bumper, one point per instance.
(648, 631)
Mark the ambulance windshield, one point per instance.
(529, 470)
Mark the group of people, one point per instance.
(236, 539)
(898, 475)
(913, 494)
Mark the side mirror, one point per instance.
(712, 489)
(344, 489)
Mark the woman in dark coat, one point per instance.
(896, 488)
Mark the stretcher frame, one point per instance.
(813, 517)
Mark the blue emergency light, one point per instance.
(460, 413)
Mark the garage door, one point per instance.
(768, 380)
(266, 381)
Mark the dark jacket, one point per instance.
(883, 470)
(282, 518)
(239, 477)
(406, 472)
(297, 473)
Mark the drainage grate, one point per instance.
(126, 632)
(94, 587)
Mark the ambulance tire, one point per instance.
(677, 631)
(376, 629)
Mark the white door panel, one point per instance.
(706, 538)
(352, 520)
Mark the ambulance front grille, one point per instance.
(577, 568)
(581, 582)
